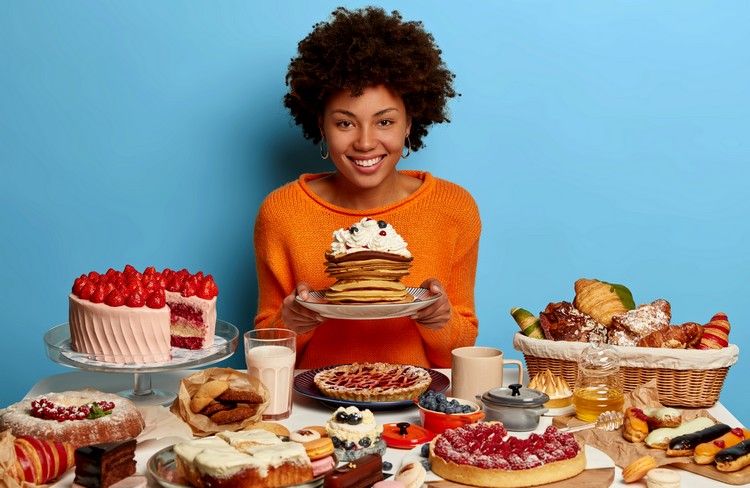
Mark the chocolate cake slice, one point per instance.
(102, 465)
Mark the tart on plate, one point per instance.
(373, 382)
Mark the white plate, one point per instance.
(554, 412)
(594, 459)
(363, 311)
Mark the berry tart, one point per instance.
(80, 418)
(373, 382)
(484, 455)
(133, 317)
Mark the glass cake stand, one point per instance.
(57, 342)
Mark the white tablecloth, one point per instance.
(306, 411)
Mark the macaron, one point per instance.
(320, 429)
(412, 475)
(323, 465)
(638, 469)
(304, 435)
(389, 484)
(663, 478)
(318, 448)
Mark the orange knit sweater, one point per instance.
(440, 223)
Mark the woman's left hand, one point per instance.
(437, 314)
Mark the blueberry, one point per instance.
(354, 418)
(365, 442)
(387, 466)
(351, 446)
(342, 417)
(337, 443)
(425, 451)
(382, 224)
(427, 465)
(466, 409)
(353, 229)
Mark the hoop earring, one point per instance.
(408, 149)
(324, 156)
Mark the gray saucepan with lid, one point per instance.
(518, 408)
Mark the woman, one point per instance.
(367, 86)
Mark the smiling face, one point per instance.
(365, 135)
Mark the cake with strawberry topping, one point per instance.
(483, 454)
(129, 317)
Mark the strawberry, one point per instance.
(136, 299)
(208, 288)
(149, 271)
(188, 289)
(115, 298)
(134, 283)
(175, 283)
(129, 269)
(99, 294)
(199, 276)
(78, 285)
(150, 284)
(93, 276)
(88, 289)
(157, 299)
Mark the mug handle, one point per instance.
(515, 362)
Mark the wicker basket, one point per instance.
(685, 378)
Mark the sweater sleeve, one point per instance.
(462, 328)
(275, 275)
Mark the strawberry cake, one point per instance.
(131, 317)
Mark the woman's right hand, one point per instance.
(298, 318)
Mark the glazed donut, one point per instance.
(733, 458)
(706, 452)
(684, 445)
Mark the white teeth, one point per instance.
(366, 162)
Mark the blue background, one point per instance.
(603, 140)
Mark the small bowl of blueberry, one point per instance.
(439, 413)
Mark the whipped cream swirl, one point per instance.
(369, 235)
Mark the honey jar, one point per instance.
(598, 386)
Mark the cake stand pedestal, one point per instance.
(57, 342)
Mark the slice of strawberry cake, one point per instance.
(131, 317)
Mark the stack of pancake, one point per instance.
(367, 277)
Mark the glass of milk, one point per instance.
(270, 356)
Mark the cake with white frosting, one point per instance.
(249, 458)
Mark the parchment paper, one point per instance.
(203, 426)
(624, 452)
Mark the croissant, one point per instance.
(602, 300)
(715, 333)
(672, 337)
(37, 461)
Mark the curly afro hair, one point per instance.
(364, 48)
